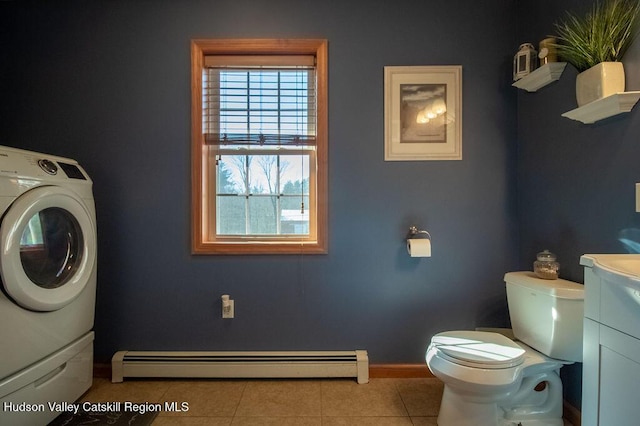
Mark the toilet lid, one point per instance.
(479, 349)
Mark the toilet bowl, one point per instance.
(492, 380)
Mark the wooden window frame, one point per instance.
(201, 242)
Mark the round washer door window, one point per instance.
(48, 248)
(51, 247)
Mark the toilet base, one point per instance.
(458, 411)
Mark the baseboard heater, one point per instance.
(303, 364)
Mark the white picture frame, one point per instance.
(423, 113)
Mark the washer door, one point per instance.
(48, 248)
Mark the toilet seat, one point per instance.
(478, 349)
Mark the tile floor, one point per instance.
(385, 402)
(282, 402)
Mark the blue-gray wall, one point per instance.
(576, 182)
(107, 83)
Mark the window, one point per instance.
(259, 149)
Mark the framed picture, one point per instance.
(423, 113)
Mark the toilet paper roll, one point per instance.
(419, 247)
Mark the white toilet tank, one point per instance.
(546, 314)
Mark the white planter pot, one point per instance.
(599, 81)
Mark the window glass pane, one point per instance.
(231, 212)
(263, 174)
(293, 218)
(294, 175)
(226, 181)
(232, 172)
(262, 215)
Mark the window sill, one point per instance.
(259, 248)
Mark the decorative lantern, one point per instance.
(525, 61)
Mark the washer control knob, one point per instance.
(48, 166)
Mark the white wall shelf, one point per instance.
(604, 108)
(542, 76)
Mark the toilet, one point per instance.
(494, 380)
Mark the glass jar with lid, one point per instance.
(546, 266)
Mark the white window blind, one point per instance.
(259, 101)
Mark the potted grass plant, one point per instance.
(595, 44)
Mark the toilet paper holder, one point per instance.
(418, 242)
(414, 232)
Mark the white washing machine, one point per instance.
(48, 272)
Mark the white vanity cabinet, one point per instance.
(611, 346)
